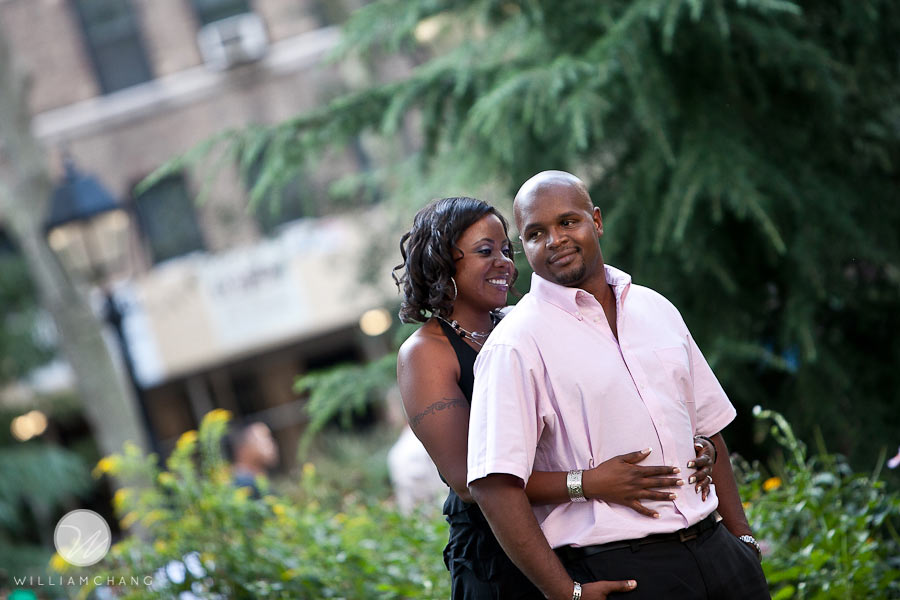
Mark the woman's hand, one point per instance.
(620, 480)
(706, 458)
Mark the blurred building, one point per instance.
(222, 306)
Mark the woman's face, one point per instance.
(484, 266)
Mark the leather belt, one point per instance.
(572, 553)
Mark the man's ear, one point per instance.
(598, 221)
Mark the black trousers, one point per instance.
(713, 566)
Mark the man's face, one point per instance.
(560, 234)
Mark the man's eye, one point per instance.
(533, 236)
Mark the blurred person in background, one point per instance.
(457, 269)
(255, 454)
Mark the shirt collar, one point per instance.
(567, 298)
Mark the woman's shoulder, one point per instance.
(427, 358)
(428, 343)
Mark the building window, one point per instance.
(114, 43)
(216, 10)
(167, 219)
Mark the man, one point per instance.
(589, 366)
(255, 452)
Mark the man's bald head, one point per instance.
(543, 184)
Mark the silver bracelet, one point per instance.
(576, 490)
(576, 593)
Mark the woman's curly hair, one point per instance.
(428, 255)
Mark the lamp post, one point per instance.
(88, 230)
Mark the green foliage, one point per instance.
(291, 547)
(749, 149)
(828, 532)
(20, 348)
(36, 478)
(344, 391)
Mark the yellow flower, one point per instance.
(772, 483)
(107, 464)
(120, 497)
(187, 439)
(217, 415)
(165, 478)
(288, 574)
(241, 494)
(153, 516)
(309, 469)
(340, 518)
(279, 509)
(746, 505)
(159, 546)
(221, 475)
(128, 520)
(58, 563)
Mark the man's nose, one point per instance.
(554, 238)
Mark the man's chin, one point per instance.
(569, 277)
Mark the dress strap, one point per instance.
(465, 355)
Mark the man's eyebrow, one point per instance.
(571, 213)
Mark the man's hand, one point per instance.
(620, 480)
(599, 590)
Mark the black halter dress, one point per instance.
(479, 569)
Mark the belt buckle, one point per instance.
(687, 534)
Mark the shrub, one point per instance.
(196, 532)
(827, 532)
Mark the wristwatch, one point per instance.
(751, 541)
(576, 593)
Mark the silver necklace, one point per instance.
(477, 337)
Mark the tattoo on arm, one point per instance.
(442, 404)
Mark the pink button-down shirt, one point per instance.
(555, 391)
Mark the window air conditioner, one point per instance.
(232, 41)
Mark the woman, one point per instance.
(457, 269)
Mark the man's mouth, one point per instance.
(563, 257)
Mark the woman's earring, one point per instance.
(455, 291)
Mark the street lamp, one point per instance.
(88, 230)
(87, 227)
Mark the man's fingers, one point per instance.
(608, 587)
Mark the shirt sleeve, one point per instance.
(714, 409)
(503, 427)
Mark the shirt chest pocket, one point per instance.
(671, 374)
